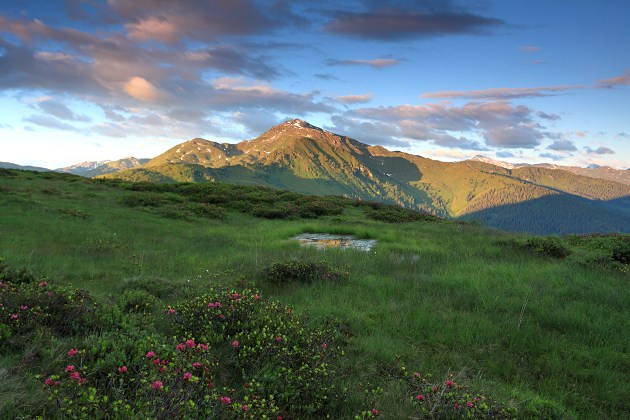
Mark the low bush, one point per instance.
(621, 252)
(294, 271)
(549, 246)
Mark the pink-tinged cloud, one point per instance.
(153, 28)
(624, 79)
(140, 88)
(502, 93)
(530, 48)
(396, 24)
(355, 99)
(378, 63)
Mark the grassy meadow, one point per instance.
(454, 313)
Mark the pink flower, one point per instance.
(156, 361)
(82, 381)
(122, 369)
(217, 304)
(187, 376)
(279, 339)
(235, 344)
(15, 316)
(181, 347)
(244, 407)
(256, 297)
(211, 305)
(72, 352)
(50, 293)
(196, 365)
(456, 406)
(75, 375)
(49, 381)
(235, 295)
(225, 400)
(449, 383)
(435, 389)
(375, 412)
(171, 311)
(162, 369)
(469, 404)
(70, 368)
(150, 355)
(157, 385)
(203, 346)
(419, 397)
(324, 345)
(221, 316)
(43, 284)
(23, 307)
(190, 343)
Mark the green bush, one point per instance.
(549, 246)
(621, 252)
(301, 272)
(203, 210)
(395, 214)
(143, 200)
(137, 301)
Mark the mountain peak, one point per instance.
(297, 123)
(486, 159)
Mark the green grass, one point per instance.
(540, 333)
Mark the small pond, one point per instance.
(326, 240)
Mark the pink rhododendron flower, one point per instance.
(75, 375)
(222, 316)
(15, 316)
(469, 404)
(157, 385)
(419, 397)
(225, 400)
(72, 352)
(82, 381)
(23, 307)
(217, 304)
(456, 406)
(375, 412)
(171, 311)
(190, 343)
(203, 346)
(187, 376)
(235, 344)
(181, 347)
(156, 361)
(235, 295)
(49, 381)
(211, 305)
(449, 383)
(122, 369)
(244, 407)
(279, 339)
(43, 284)
(324, 345)
(196, 365)
(150, 355)
(70, 368)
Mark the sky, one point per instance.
(520, 81)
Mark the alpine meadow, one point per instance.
(305, 210)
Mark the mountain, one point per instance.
(298, 156)
(8, 165)
(92, 169)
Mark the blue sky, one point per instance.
(534, 81)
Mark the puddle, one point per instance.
(326, 240)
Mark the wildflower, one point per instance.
(171, 310)
(14, 317)
(244, 407)
(72, 352)
(419, 397)
(49, 381)
(70, 368)
(375, 412)
(156, 361)
(222, 316)
(235, 344)
(256, 296)
(210, 385)
(43, 284)
(435, 389)
(122, 369)
(196, 365)
(203, 346)
(23, 307)
(190, 343)
(157, 385)
(181, 347)
(449, 383)
(211, 305)
(279, 339)
(187, 376)
(324, 345)
(150, 355)
(456, 406)
(81, 381)
(235, 295)
(75, 375)
(217, 304)
(225, 400)
(469, 404)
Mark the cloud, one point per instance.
(499, 124)
(562, 146)
(395, 24)
(529, 48)
(49, 122)
(502, 93)
(623, 135)
(140, 88)
(622, 80)
(356, 99)
(599, 151)
(552, 156)
(378, 63)
(505, 154)
(60, 110)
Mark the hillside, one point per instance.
(126, 272)
(92, 169)
(300, 157)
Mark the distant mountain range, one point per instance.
(298, 156)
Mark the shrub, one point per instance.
(301, 272)
(75, 213)
(395, 214)
(203, 210)
(549, 246)
(621, 252)
(317, 208)
(137, 301)
(272, 212)
(143, 200)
